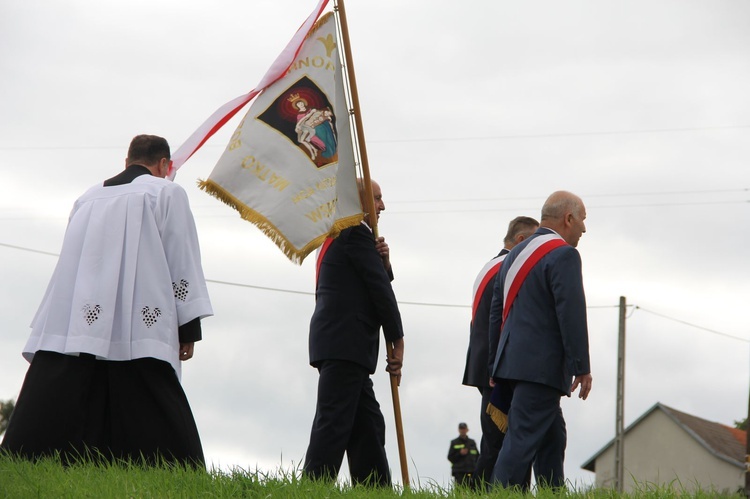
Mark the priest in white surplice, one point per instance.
(121, 312)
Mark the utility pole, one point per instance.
(747, 449)
(620, 404)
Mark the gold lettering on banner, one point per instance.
(326, 183)
(264, 173)
(303, 194)
(317, 62)
(321, 185)
(325, 210)
(235, 142)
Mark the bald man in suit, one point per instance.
(354, 298)
(539, 331)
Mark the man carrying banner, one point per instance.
(476, 371)
(121, 312)
(538, 311)
(354, 298)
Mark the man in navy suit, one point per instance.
(539, 332)
(354, 298)
(476, 372)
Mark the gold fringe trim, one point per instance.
(498, 417)
(321, 20)
(269, 229)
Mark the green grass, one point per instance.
(47, 478)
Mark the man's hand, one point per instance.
(396, 359)
(585, 381)
(383, 251)
(186, 351)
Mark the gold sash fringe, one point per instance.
(498, 417)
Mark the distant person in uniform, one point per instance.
(463, 455)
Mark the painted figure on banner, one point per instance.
(314, 130)
(305, 116)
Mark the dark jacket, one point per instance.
(476, 372)
(354, 298)
(463, 463)
(545, 337)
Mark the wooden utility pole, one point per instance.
(747, 449)
(620, 404)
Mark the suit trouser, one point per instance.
(536, 433)
(347, 419)
(492, 441)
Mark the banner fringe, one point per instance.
(498, 417)
(269, 229)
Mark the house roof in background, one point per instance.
(722, 441)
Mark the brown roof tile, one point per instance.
(721, 439)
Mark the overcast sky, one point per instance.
(473, 115)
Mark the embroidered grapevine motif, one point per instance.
(91, 313)
(180, 290)
(149, 316)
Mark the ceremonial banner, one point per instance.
(289, 166)
(220, 117)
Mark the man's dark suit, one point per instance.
(543, 345)
(477, 374)
(354, 298)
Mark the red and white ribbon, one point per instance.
(524, 262)
(220, 117)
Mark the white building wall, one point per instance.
(658, 453)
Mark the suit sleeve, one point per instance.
(369, 266)
(566, 282)
(496, 320)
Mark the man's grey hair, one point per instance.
(559, 203)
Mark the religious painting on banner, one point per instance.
(289, 167)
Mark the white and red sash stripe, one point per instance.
(524, 262)
(321, 253)
(220, 117)
(486, 275)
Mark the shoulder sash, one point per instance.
(524, 262)
(319, 260)
(486, 275)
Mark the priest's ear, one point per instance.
(163, 167)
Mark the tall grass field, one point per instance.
(49, 479)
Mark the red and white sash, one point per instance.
(321, 253)
(486, 275)
(524, 262)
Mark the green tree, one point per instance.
(6, 408)
(741, 424)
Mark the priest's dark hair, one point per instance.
(147, 150)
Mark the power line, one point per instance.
(422, 304)
(644, 205)
(442, 139)
(587, 196)
(713, 331)
(230, 214)
(29, 249)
